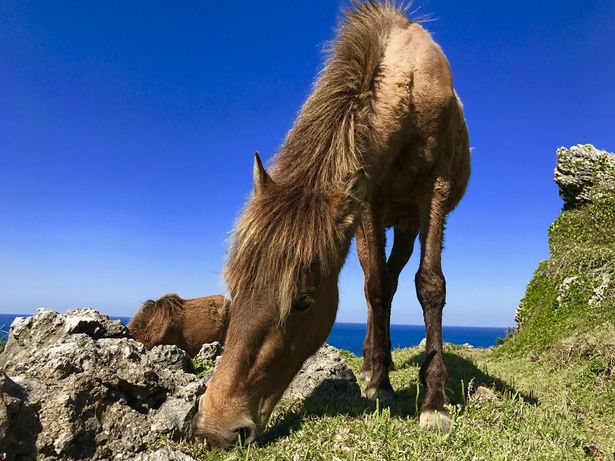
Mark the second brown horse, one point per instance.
(186, 323)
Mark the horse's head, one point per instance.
(157, 321)
(282, 272)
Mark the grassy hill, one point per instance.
(571, 298)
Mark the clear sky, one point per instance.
(127, 131)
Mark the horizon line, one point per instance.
(336, 322)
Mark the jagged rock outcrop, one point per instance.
(573, 290)
(76, 386)
(583, 173)
(210, 351)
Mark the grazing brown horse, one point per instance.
(186, 323)
(381, 142)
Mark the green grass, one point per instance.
(543, 412)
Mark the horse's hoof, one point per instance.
(435, 420)
(366, 375)
(374, 393)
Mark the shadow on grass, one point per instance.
(460, 372)
(405, 403)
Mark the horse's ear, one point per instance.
(261, 177)
(352, 198)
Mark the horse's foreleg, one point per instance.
(431, 292)
(370, 237)
(403, 245)
(366, 368)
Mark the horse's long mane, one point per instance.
(168, 309)
(330, 137)
(292, 225)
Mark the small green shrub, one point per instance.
(202, 367)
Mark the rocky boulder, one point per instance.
(583, 173)
(210, 352)
(324, 373)
(76, 386)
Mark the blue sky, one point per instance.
(127, 131)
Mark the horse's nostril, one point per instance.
(245, 435)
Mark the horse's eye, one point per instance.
(302, 304)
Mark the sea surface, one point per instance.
(350, 336)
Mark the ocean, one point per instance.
(350, 336)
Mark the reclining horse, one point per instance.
(380, 142)
(186, 323)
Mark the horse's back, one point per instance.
(413, 91)
(418, 124)
(215, 306)
(205, 320)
